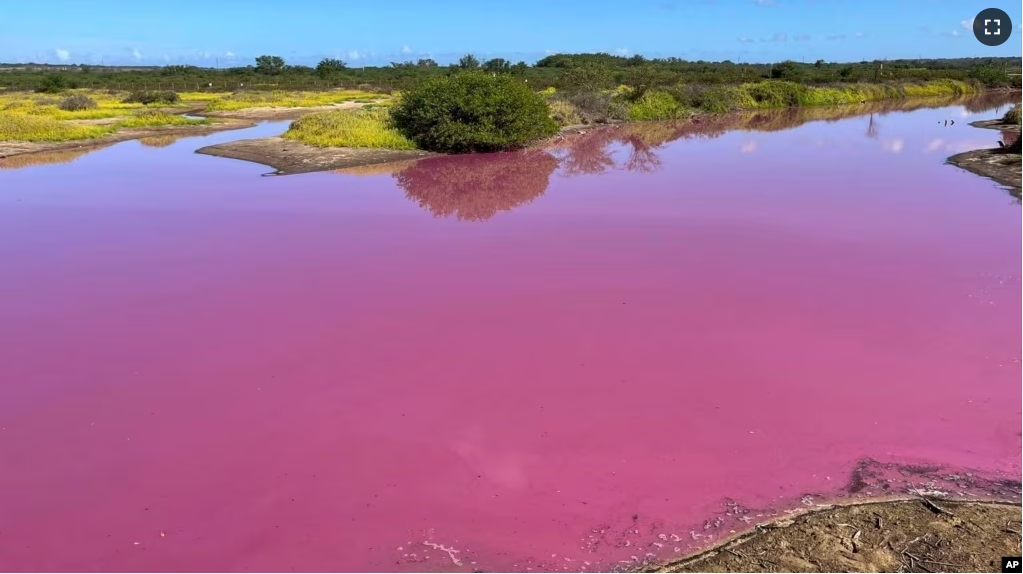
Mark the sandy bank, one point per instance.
(13, 148)
(290, 157)
(912, 535)
(996, 163)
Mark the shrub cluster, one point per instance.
(153, 97)
(77, 103)
(472, 111)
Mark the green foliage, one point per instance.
(77, 103)
(655, 105)
(348, 128)
(426, 63)
(1012, 116)
(991, 76)
(564, 113)
(156, 118)
(155, 97)
(472, 111)
(269, 65)
(714, 99)
(52, 84)
(34, 128)
(468, 62)
(497, 66)
(329, 67)
(587, 78)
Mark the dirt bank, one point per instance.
(14, 148)
(269, 113)
(915, 535)
(1000, 164)
(289, 157)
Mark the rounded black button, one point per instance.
(992, 27)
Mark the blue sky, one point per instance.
(232, 32)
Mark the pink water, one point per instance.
(543, 361)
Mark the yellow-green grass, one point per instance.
(16, 126)
(156, 118)
(1013, 115)
(282, 99)
(775, 93)
(348, 128)
(108, 105)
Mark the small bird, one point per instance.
(1001, 143)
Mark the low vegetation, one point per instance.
(1012, 116)
(77, 103)
(348, 128)
(147, 98)
(472, 111)
(282, 99)
(32, 128)
(157, 118)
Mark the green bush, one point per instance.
(1012, 116)
(655, 105)
(771, 94)
(52, 84)
(76, 103)
(714, 99)
(147, 98)
(472, 111)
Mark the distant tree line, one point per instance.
(561, 71)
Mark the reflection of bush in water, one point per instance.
(158, 141)
(476, 187)
(43, 158)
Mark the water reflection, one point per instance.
(45, 158)
(477, 187)
(159, 141)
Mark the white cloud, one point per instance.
(62, 54)
(354, 55)
(801, 37)
(967, 24)
(622, 51)
(406, 50)
(858, 35)
(135, 53)
(229, 55)
(935, 145)
(745, 40)
(894, 146)
(749, 146)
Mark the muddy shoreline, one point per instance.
(997, 164)
(15, 148)
(904, 534)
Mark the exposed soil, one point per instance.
(917, 535)
(289, 157)
(13, 148)
(996, 163)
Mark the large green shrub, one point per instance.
(472, 111)
(157, 97)
(52, 84)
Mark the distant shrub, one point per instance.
(714, 99)
(565, 113)
(1012, 116)
(77, 103)
(52, 84)
(472, 111)
(771, 94)
(155, 97)
(348, 128)
(655, 105)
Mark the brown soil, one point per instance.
(996, 163)
(289, 157)
(916, 535)
(14, 148)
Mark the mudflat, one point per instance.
(1000, 164)
(917, 535)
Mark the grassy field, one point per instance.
(348, 128)
(23, 127)
(281, 99)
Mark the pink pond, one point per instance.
(616, 350)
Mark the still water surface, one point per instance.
(566, 359)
